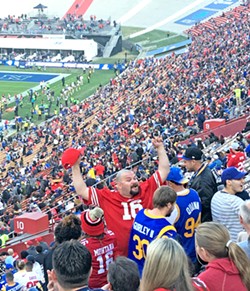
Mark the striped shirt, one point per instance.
(225, 210)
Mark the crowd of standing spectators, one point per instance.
(114, 131)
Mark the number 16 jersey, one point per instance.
(120, 211)
(103, 252)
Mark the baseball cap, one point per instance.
(31, 259)
(235, 146)
(39, 239)
(193, 153)
(232, 173)
(176, 176)
(29, 242)
(9, 266)
(70, 156)
(92, 222)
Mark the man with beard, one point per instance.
(150, 224)
(122, 204)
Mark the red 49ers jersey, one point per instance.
(236, 160)
(103, 252)
(119, 211)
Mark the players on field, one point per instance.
(152, 223)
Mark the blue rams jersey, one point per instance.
(146, 228)
(188, 207)
(15, 287)
(3, 278)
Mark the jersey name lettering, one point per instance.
(143, 229)
(104, 250)
(192, 206)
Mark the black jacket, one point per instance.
(204, 183)
(47, 266)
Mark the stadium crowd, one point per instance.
(70, 25)
(114, 131)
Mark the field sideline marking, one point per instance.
(132, 12)
(36, 88)
(168, 19)
(30, 73)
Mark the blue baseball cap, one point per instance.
(232, 173)
(9, 266)
(176, 176)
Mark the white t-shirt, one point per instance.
(30, 280)
(19, 277)
(38, 270)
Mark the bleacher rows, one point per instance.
(214, 23)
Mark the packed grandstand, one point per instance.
(198, 99)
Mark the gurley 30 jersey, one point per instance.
(145, 229)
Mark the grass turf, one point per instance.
(98, 78)
(153, 39)
(13, 88)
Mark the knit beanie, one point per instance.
(92, 222)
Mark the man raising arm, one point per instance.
(163, 169)
(121, 205)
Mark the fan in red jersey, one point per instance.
(101, 243)
(122, 204)
(236, 157)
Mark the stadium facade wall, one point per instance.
(227, 130)
(89, 46)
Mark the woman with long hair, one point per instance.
(228, 267)
(166, 268)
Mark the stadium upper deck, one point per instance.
(161, 14)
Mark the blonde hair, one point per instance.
(20, 264)
(166, 266)
(215, 239)
(10, 252)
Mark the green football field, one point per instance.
(99, 77)
(13, 88)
